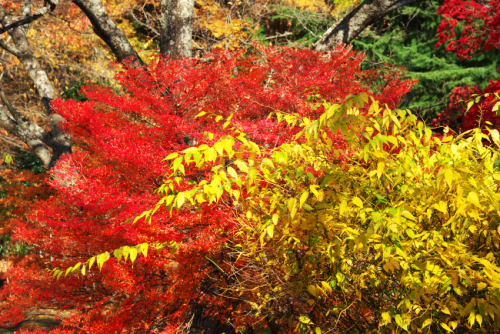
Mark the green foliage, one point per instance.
(29, 161)
(13, 248)
(72, 92)
(307, 26)
(407, 37)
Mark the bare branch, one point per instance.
(11, 108)
(108, 31)
(8, 47)
(364, 15)
(27, 19)
(31, 134)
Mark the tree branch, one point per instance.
(361, 17)
(27, 19)
(31, 134)
(108, 31)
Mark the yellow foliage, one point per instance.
(217, 19)
(401, 235)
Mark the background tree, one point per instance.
(408, 37)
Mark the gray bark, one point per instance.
(364, 15)
(56, 139)
(108, 31)
(49, 146)
(176, 28)
(50, 5)
(31, 134)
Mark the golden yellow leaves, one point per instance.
(404, 212)
(218, 20)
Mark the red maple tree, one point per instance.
(121, 139)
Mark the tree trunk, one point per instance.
(56, 139)
(108, 31)
(49, 146)
(176, 28)
(364, 15)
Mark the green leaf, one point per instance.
(496, 107)
(469, 105)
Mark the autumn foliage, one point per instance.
(397, 232)
(121, 138)
(478, 25)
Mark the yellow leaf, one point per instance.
(327, 287)
(408, 215)
(446, 310)
(380, 169)
(133, 254)
(448, 176)
(275, 219)
(342, 208)
(357, 201)
(445, 326)
(386, 317)
(179, 201)
(317, 330)
(303, 198)
(472, 318)
(474, 199)
(232, 172)
(241, 165)
(312, 290)
(270, 230)
(427, 322)
(479, 319)
(481, 286)
(291, 204)
(172, 156)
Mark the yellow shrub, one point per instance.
(401, 235)
(397, 233)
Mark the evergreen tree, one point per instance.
(408, 37)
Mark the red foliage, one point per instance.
(480, 28)
(480, 113)
(121, 139)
